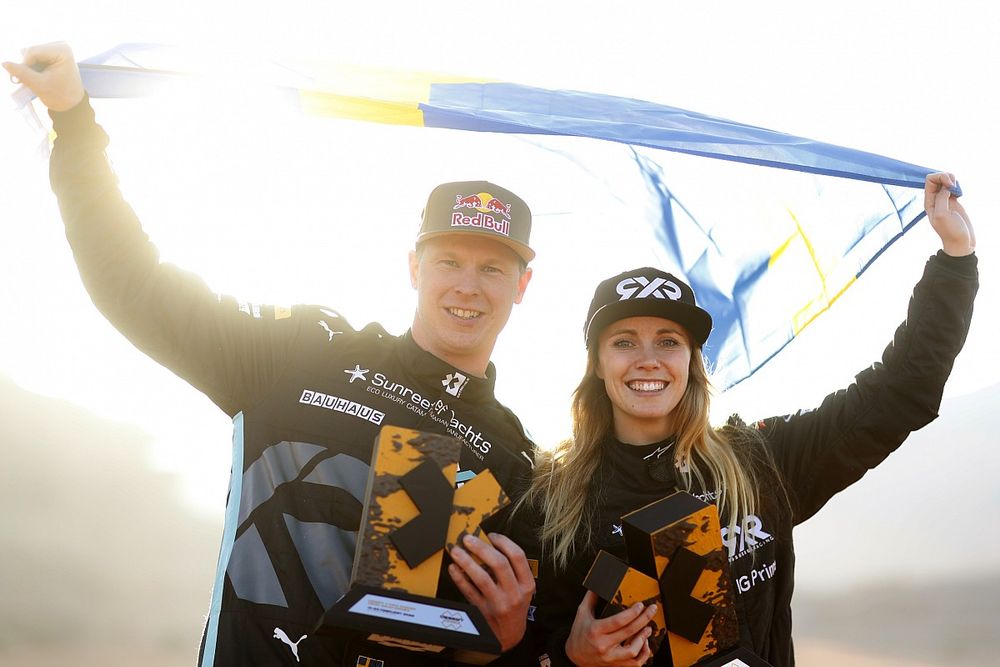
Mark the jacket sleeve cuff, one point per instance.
(79, 117)
(966, 266)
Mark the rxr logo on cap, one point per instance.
(659, 288)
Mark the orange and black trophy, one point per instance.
(676, 559)
(412, 512)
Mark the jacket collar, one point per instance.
(450, 381)
(657, 458)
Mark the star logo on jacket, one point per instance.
(616, 529)
(357, 374)
(454, 383)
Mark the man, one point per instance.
(308, 393)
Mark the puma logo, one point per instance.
(280, 634)
(330, 332)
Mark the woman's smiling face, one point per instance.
(644, 363)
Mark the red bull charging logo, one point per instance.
(485, 205)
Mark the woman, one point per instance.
(641, 430)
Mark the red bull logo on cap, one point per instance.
(483, 202)
(485, 205)
(468, 201)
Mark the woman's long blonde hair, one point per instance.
(563, 486)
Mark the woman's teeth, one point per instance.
(646, 385)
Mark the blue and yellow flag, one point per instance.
(764, 270)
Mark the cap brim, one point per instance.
(523, 251)
(697, 321)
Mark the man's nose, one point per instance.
(468, 281)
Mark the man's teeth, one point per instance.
(464, 314)
(646, 385)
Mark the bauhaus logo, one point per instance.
(338, 404)
(640, 287)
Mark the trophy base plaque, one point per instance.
(443, 628)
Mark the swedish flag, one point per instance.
(764, 268)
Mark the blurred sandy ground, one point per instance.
(813, 653)
(94, 657)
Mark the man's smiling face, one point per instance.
(466, 285)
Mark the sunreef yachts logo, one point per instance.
(439, 411)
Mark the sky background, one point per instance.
(277, 208)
